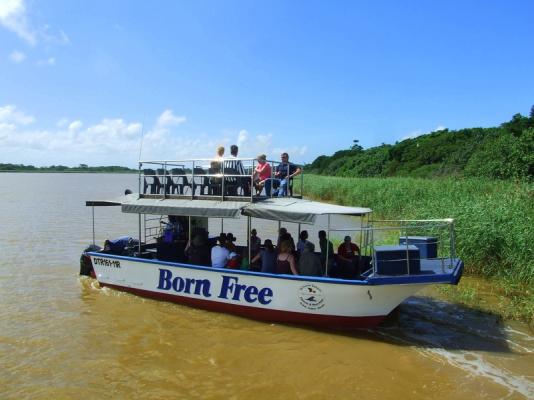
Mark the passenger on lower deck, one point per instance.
(285, 262)
(268, 257)
(309, 262)
(219, 253)
(303, 239)
(348, 259)
(198, 251)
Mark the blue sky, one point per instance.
(80, 82)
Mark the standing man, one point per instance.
(285, 171)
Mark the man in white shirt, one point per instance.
(239, 169)
(219, 253)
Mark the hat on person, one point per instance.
(230, 237)
(347, 238)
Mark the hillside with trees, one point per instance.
(504, 152)
(63, 168)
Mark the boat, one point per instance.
(397, 257)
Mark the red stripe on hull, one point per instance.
(262, 314)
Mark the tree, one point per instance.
(532, 112)
(356, 146)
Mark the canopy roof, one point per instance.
(297, 210)
(278, 209)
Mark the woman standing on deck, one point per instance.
(285, 262)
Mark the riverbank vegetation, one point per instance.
(62, 168)
(503, 152)
(494, 221)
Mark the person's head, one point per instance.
(230, 237)
(253, 232)
(268, 245)
(220, 151)
(347, 239)
(262, 158)
(222, 239)
(285, 246)
(284, 157)
(309, 246)
(322, 234)
(282, 231)
(233, 150)
(303, 235)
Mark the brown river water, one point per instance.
(63, 337)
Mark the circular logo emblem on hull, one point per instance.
(311, 297)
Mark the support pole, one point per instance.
(248, 241)
(327, 246)
(139, 221)
(93, 208)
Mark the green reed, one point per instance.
(494, 220)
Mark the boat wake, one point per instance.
(476, 342)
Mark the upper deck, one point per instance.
(221, 179)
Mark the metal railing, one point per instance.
(224, 178)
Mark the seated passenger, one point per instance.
(309, 262)
(172, 230)
(198, 251)
(285, 171)
(348, 259)
(230, 239)
(219, 253)
(233, 260)
(283, 234)
(268, 258)
(323, 242)
(255, 243)
(262, 175)
(236, 167)
(285, 261)
(303, 239)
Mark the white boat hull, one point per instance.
(323, 302)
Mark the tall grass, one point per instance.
(494, 220)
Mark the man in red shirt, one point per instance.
(348, 257)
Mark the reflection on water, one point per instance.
(62, 336)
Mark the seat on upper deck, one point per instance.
(151, 180)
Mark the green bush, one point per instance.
(494, 220)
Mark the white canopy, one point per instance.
(278, 209)
(297, 210)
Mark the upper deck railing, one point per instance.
(223, 179)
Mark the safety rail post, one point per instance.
(405, 226)
(252, 188)
(193, 180)
(452, 242)
(140, 166)
(165, 180)
(222, 180)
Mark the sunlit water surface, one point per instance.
(62, 336)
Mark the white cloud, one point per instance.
(412, 135)
(13, 17)
(49, 62)
(63, 122)
(17, 56)
(419, 132)
(168, 119)
(116, 141)
(75, 126)
(9, 114)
